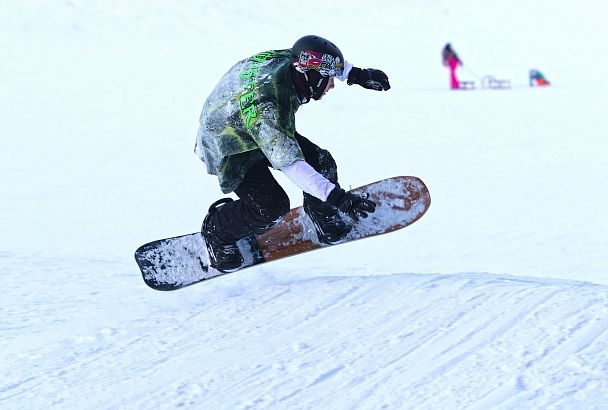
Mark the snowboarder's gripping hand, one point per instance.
(369, 78)
(354, 205)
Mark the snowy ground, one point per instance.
(497, 298)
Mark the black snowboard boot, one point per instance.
(223, 256)
(330, 227)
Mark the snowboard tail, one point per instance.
(174, 263)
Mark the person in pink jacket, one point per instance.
(451, 60)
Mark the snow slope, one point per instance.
(497, 298)
(273, 340)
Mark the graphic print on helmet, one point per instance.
(326, 64)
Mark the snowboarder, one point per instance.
(450, 59)
(248, 125)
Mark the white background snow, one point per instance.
(497, 298)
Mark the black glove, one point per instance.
(369, 78)
(354, 205)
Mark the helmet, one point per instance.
(316, 60)
(319, 54)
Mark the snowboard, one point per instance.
(174, 263)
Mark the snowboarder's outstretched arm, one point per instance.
(370, 78)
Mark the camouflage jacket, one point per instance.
(249, 116)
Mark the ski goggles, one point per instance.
(326, 64)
